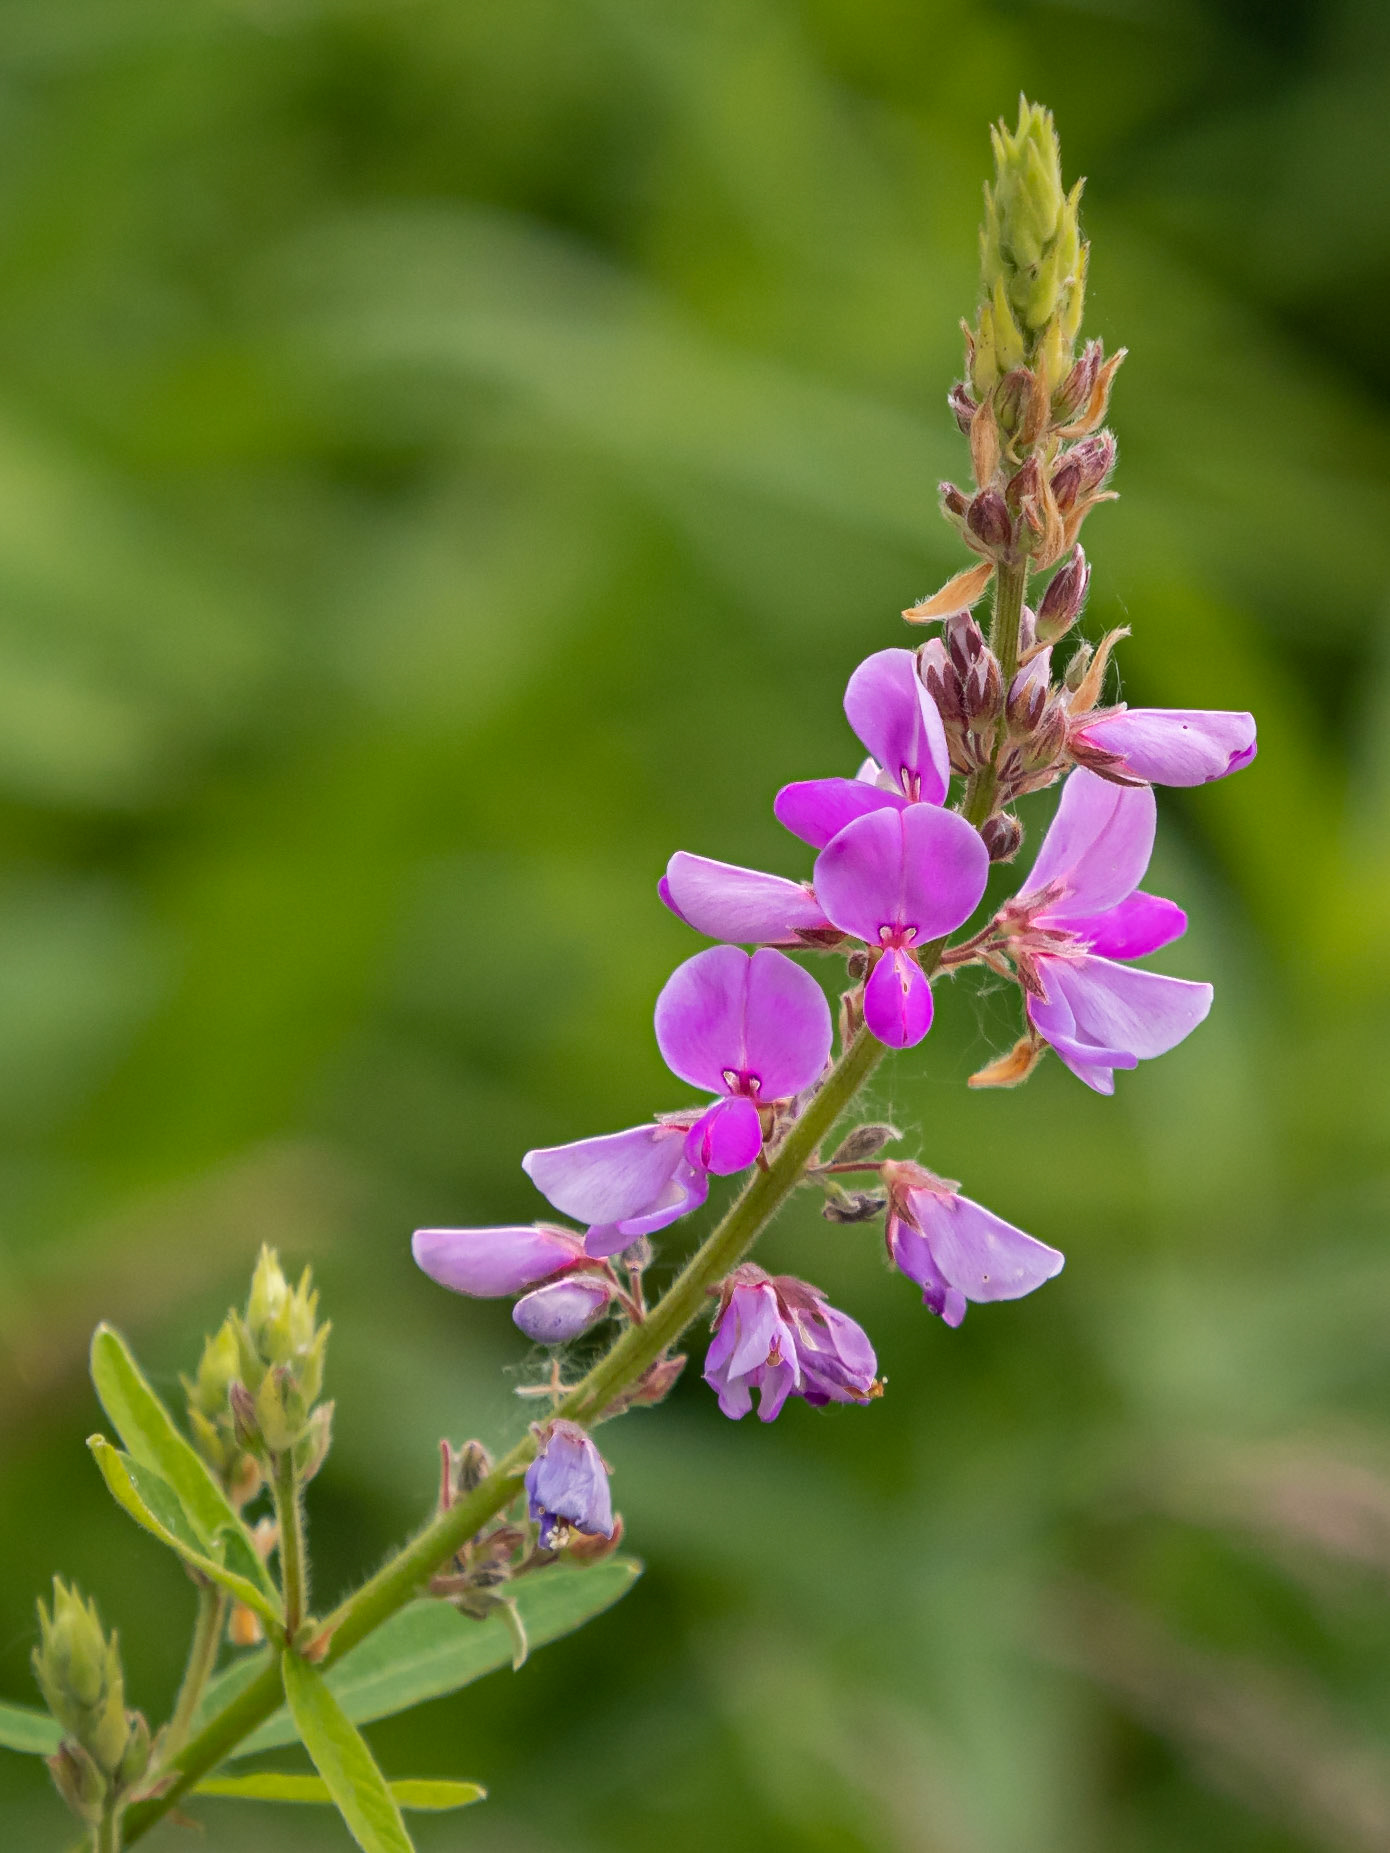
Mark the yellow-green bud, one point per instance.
(209, 1410)
(280, 1358)
(1032, 260)
(79, 1673)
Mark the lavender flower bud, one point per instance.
(562, 1309)
(984, 689)
(1028, 693)
(1075, 390)
(1064, 598)
(1082, 470)
(1048, 738)
(989, 520)
(1002, 835)
(963, 406)
(941, 681)
(954, 502)
(964, 641)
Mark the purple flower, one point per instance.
(776, 1335)
(623, 1184)
(489, 1263)
(743, 906)
(567, 1486)
(897, 880)
(562, 1309)
(956, 1250)
(1166, 746)
(1078, 913)
(897, 721)
(751, 1030)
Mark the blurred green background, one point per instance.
(452, 455)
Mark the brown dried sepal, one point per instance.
(1013, 1069)
(960, 593)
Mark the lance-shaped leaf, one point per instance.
(339, 1753)
(425, 1796)
(152, 1502)
(22, 1727)
(153, 1441)
(429, 1649)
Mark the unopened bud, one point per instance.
(1032, 261)
(1075, 390)
(853, 1206)
(1083, 470)
(311, 1449)
(954, 502)
(1028, 693)
(1002, 835)
(243, 1407)
(984, 689)
(658, 1380)
(1045, 743)
(964, 641)
(78, 1669)
(962, 405)
(989, 521)
(1023, 485)
(865, 1142)
(78, 1780)
(939, 677)
(1064, 598)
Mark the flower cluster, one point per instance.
(956, 732)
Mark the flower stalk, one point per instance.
(639, 1347)
(202, 1657)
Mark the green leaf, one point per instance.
(429, 1649)
(24, 1728)
(342, 1758)
(426, 1797)
(153, 1503)
(154, 1442)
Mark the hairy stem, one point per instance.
(106, 1834)
(202, 1657)
(289, 1516)
(404, 1575)
(1010, 585)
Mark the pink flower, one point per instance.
(956, 1250)
(1165, 746)
(898, 880)
(490, 1263)
(567, 1486)
(1078, 914)
(777, 1335)
(897, 721)
(749, 1029)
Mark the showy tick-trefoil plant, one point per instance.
(960, 731)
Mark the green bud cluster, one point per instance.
(280, 1348)
(105, 1749)
(1032, 259)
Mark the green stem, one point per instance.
(294, 1570)
(202, 1657)
(1010, 587)
(402, 1577)
(106, 1834)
